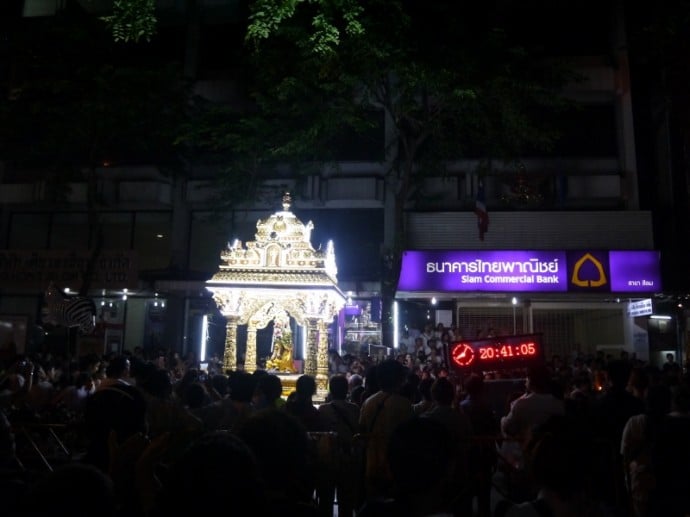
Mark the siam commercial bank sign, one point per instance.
(525, 271)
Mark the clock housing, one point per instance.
(495, 353)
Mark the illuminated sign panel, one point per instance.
(530, 271)
(640, 308)
(636, 271)
(502, 352)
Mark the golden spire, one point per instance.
(287, 200)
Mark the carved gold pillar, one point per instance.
(310, 361)
(230, 352)
(322, 358)
(250, 356)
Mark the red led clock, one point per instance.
(495, 353)
(462, 354)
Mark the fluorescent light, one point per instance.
(203, 338)
(395, 325)
(660, 317)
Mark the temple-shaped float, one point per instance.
(277, 276)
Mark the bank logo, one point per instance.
(588, 271)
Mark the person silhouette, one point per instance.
(421, 458)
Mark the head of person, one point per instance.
(443, 391)
(338, 387)
(84, 380)
(474, 385)
(219, 382)
(242, 386)
(355, 380)
(159, 384)
(618, 373)
(391, 375)
(218, 462)
(305, 387)
(118, 367)
(281, 445)
(269, 388)
(195, 396)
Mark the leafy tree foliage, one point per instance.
(132, 20)
(450, 78)
(78, 103)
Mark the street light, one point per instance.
(514, 300)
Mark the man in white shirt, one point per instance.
(533, 408)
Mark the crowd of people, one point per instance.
(133, 434)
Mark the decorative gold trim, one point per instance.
(576, 280)
(279, 273)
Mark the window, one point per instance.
(70, 231)
(152, 239)
(28, 231)
(117, 231)
(209, 236)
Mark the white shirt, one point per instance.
(529, 410)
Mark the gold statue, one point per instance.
(281, 358)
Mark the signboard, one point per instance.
(496, 353)
(34, 269)
(640, 308)
(530, 271)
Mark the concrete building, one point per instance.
(163, 237)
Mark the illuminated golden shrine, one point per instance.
(276, 275)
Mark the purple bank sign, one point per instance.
(525, 271)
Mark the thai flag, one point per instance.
(480, 210)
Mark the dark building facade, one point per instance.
(606, 186)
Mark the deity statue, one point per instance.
(281, 357)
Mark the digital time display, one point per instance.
(495, 353)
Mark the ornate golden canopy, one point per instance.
(282, 254)
(279, 270)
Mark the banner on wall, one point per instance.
(34, 269)
(591, 271)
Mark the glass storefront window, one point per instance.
(29, 231)
(117, 231)
(208, 238)
(70, 231)
(152, 239)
